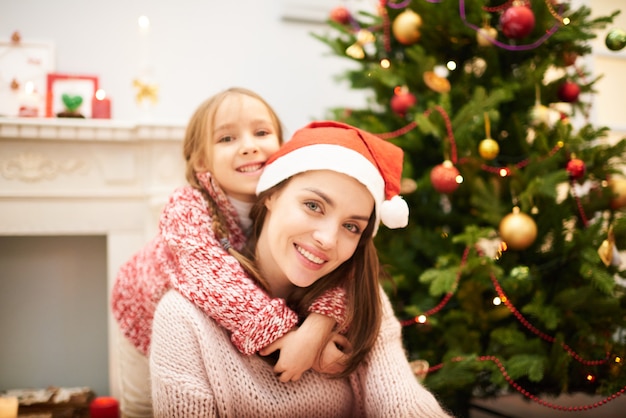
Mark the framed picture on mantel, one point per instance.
(70, 95)
(24, 66)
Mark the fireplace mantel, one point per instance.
(68, 176)
(88, 177)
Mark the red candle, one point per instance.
(104, 407)
(100, 106)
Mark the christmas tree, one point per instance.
(508, 276)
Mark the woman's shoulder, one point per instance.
(174, 303)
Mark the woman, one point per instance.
(321, 198)
(227, 142)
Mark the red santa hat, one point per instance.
(329, 145)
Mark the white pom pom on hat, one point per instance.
(329, 145)
(394, 213)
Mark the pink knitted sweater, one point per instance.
(196, 372)
(187, 256)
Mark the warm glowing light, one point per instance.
(29, 87)
(591, 378)
(421, 319)
(566, 21)
(385, 63)
(144, 22)
(618, 359)
(459, 179)
(441, 71)
(504, 172)
(503, 299)
(451, 65)
(100, 94)
(497, 301)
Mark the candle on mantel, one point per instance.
(144, 39)
(104, 407)
(29, 101)
(100, 106)
(8, 406)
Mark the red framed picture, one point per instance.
(70, 95)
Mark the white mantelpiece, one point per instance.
(88, 177)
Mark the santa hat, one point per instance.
(328, 145)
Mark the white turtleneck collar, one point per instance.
(243, 210)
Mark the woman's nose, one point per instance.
(325, 235)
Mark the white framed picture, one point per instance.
(24, 66)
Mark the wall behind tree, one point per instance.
(192, 49)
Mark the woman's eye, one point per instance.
(354, 228)
(313, 206)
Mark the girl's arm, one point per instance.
(213, 280)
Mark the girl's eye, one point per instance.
(226, 138)
(354, 228)
(262, 133)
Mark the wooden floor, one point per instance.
(516, 406)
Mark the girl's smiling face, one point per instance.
(244, 137)
(313, 225)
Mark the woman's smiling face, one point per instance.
(312, 226)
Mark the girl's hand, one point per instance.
(301, 349)
(333, 356)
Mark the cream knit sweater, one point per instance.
(197, 372)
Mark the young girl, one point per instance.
(227, 143)
(321, 199)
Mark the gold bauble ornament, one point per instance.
(518, 230)
(618, 187)
(407, 186)
(488, 148)
(485, 35)
(540, 114)
(406, 27)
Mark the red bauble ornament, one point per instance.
(568, 92)
(445, 177)
(402, 102)
(576, 168)
(517, 22)
(340, 15)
